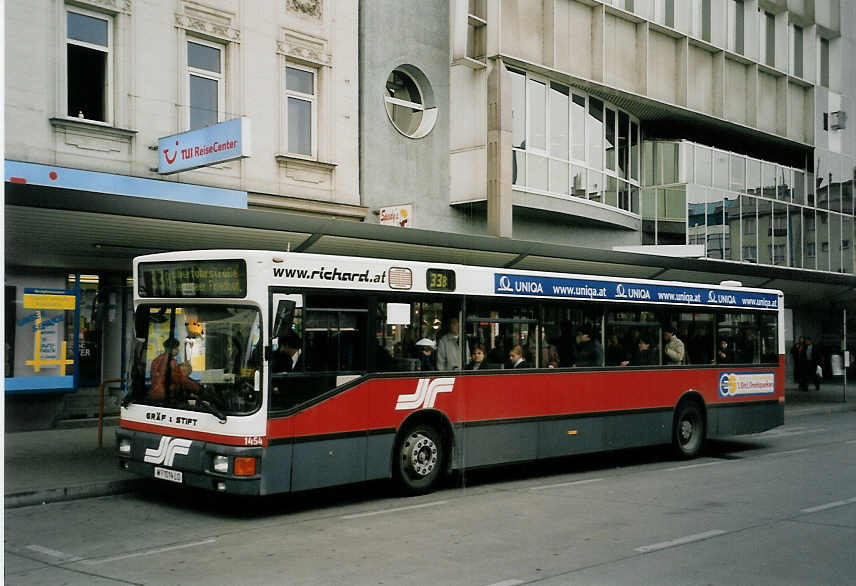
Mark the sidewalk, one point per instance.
(62, 464)
(66, 463)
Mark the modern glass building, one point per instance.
(742, 209)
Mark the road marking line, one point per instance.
(507, 583)
(149, 552)
(791, 432)
(395, 510)
(789, 452)
(829, 506)
(54, 553)
(679, 541)
(574, 483)
(851, 442)
(687, 467)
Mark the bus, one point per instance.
(257, 372)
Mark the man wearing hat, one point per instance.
(674, 348)
(426, 354)
(165, 366)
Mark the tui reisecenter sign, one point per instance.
(221, 142)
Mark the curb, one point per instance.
(818, 409)
(69, 493)
(109, 421)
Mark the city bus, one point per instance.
(258, 372)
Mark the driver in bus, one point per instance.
(179, 374)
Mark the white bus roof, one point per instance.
(301, 270)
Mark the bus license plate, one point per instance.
(166, 474)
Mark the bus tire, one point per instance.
(689, 429)
(420, 459)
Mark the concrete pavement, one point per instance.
(66, 463)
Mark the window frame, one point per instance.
(428, 106)
(797, 58)
(595, 172)
(220, 78)
(313, 101)
(823, 62)
(109, 114)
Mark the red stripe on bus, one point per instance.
(492, 397)
(229, 440)
(19, 180)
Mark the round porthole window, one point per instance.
(410, 102)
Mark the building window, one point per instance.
(701, 19)
(667, 16)
(561, 141)
(89, 65)
(410, 103)
(824, 63)
(301, 109)
(205, 83)
(736, 25)
(797, 51)
(768, 39)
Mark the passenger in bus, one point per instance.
(747, 348)
(566, 344)
(288, 357)
(589, 350)
(615, 352)
(449, 348)
(477, 358)
(674, 348)
(515, 357)
(725, 353)
(549, 352)
(179, 374)
(426, 354)
(645, 354)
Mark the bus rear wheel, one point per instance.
(689, 431)
(420, 459)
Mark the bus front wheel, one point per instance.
(420, 459)
(689, 432)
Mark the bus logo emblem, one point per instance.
(426, 393)
(166, 451)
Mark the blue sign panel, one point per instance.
(204, 146)
(62, 177)
(508, 284)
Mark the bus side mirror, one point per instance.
(283, 319)
(141, 323)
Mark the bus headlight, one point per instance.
(125, 446)
(221, 464)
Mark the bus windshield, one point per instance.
(198, 357)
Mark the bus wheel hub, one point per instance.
(423, 454)
(686, 430)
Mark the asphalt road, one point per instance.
(774, 508)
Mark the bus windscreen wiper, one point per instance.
(207, 406)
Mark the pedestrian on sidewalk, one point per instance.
(808, 363)
(796, 351)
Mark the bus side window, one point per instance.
(769, 338)
(499, 326)
(632, 338)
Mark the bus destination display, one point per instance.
(201, 278)
(440, 279)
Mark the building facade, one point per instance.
(710, 134)
(707, 129)
(91, 87)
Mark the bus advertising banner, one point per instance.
(509, 284)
